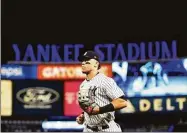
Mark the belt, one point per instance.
(97, 128)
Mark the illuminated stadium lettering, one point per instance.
(107, 52)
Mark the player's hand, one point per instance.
(95, 110)
(80, 119)
(92, 110)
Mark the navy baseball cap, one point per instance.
(89, 55)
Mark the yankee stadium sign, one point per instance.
(107, 52)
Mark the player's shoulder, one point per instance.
(83, 82)
(106, 78)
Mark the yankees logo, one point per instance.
(94, 89)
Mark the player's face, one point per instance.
(88, 65)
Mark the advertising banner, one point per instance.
(65, 72)
(18, 72)
(6, 98)
(33, 97)
(71, 106)
(156, 104)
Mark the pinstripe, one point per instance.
(106, 90)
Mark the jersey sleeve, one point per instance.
(112, 90)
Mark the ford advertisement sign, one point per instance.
(34, 97)
(37, 97)
(18, 72)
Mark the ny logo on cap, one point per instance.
(85, 53)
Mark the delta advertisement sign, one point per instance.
(156, 104)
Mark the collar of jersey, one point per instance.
(93, 77)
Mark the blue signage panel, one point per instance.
(18, 72)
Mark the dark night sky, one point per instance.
(44, 22)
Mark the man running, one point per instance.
(99, 97)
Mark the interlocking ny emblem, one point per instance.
(94, 89)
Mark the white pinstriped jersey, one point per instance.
(105, 89)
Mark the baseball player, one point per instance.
(154, 69)
(98, 96)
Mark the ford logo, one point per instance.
(37, 95)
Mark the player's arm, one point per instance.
(116, 104)
(119, 103)
(119, 100)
